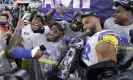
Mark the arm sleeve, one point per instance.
(110, 39)
(19, 52)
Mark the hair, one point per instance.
(37, 16)
(6, 15)
(59, 27)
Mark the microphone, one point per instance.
(35, 50)
(42, 48)
(131, 35)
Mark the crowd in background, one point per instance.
(51, 49)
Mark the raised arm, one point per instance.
(15, 39)
(60, 10)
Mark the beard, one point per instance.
(91, 32)
(119, 21)
(116, 21)
(76, 27)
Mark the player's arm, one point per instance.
(16, 37)
(106, 48)
(60, 10)
(15, 40)
(49, 15)
(19, 52)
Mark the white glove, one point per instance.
(77, 43)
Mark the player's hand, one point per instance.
(38, 54)
(9, 33)
(77, 43)
(38, 51)
(61, 10)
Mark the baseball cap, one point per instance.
(77, 16)
(90, 13)
(125, 3)
(78, 12)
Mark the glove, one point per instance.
(77, 43)
(38, 51)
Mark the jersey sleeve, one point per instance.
(109, 39)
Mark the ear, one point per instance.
(126, 13)
(97, 20)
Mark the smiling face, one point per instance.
(88, 23)
(120, 15)
(54, 34)
(3, 19)
(37, 23)
(76, 24)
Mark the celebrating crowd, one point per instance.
(35, 46)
